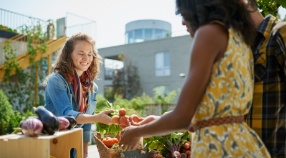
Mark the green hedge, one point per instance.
(9, 118)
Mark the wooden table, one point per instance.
(43, 146)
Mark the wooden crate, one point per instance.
(43, 146)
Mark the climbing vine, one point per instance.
(20, 87)
(11, 63)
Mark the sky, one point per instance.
(109, 16)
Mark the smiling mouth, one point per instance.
(84, 64)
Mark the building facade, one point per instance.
(162, 63)
(146, 30)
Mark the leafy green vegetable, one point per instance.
(168, 143)
(108, 129)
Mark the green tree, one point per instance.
(126, 82)
(270, 6)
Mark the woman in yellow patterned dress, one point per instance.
(219, 86)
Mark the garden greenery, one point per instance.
(20, 88)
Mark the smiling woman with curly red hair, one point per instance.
(71, 89)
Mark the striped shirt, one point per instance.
(267, 116)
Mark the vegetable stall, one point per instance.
(176, 144)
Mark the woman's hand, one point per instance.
(129, 139)
(104, 118)
(144, 121)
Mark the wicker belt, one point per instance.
(216, 121)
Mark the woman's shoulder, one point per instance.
(213, 29)
(213, 34)
(214, 37)
(56, 78)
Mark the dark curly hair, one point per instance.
(64, 64)
(232, 13)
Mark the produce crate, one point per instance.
(43, 146)
(105, 152)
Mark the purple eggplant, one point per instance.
(31, 127)
(64, 123)
(49, 120)
(71, 120)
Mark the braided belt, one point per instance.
(216, 121)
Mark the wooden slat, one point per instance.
(24, 59)
(18, 37)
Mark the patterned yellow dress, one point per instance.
(229, 93)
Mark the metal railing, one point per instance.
(17, 23)
(17, 26)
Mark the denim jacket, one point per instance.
(60, 100)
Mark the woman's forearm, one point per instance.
(86, 118)
(100, 117)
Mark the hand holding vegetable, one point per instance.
(104, 117)
(129, 138)
(144, 121)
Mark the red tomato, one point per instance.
(115, 140)
(122, 112)
(187, 145)
(124, 121)
(115, 119)
(108, 142)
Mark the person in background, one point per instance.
(268, 113)
(71, 90)
(218, 90)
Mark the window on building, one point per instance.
(162, 61)
(159, 34)
(148, 34)
(138, 35)
(141, 35)
(129, 37)
(112, 65)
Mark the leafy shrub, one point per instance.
(10, 119)
(161, 98)
(102, 103)
(137, 105)
(17, 118)
(6, 113)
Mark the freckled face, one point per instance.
(82, 56)
(188, 26)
